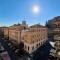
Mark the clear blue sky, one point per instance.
(14, 11)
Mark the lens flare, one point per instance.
(36, 9)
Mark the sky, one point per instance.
(16, 11)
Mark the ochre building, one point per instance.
(32, 37)
(6, 33)
(35, 37)
(13, 33)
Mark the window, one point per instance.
(28, 47)
(37, 45)
(24, 27)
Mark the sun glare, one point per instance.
(36, 9)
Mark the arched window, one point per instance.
(28, 47)
(24, 27)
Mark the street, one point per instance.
(42, 53)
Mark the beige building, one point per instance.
(34, 37)
(15, 36)
(2, 31)
(13, 33)
(6, 32)
(54, 26)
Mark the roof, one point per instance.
(37, 26)
(15, 25)
(55, 19)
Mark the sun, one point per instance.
(36, 9)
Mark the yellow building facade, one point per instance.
(14, 33)
(6, 33)
(34, 38)
(15, 36)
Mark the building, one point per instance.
(55, 51)
(54, 26)
(57, 46)
(6, 33)
(54, 32)
(13, 33)
(23, 22)
(54, 23)
(34, 37)
(2, 31)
